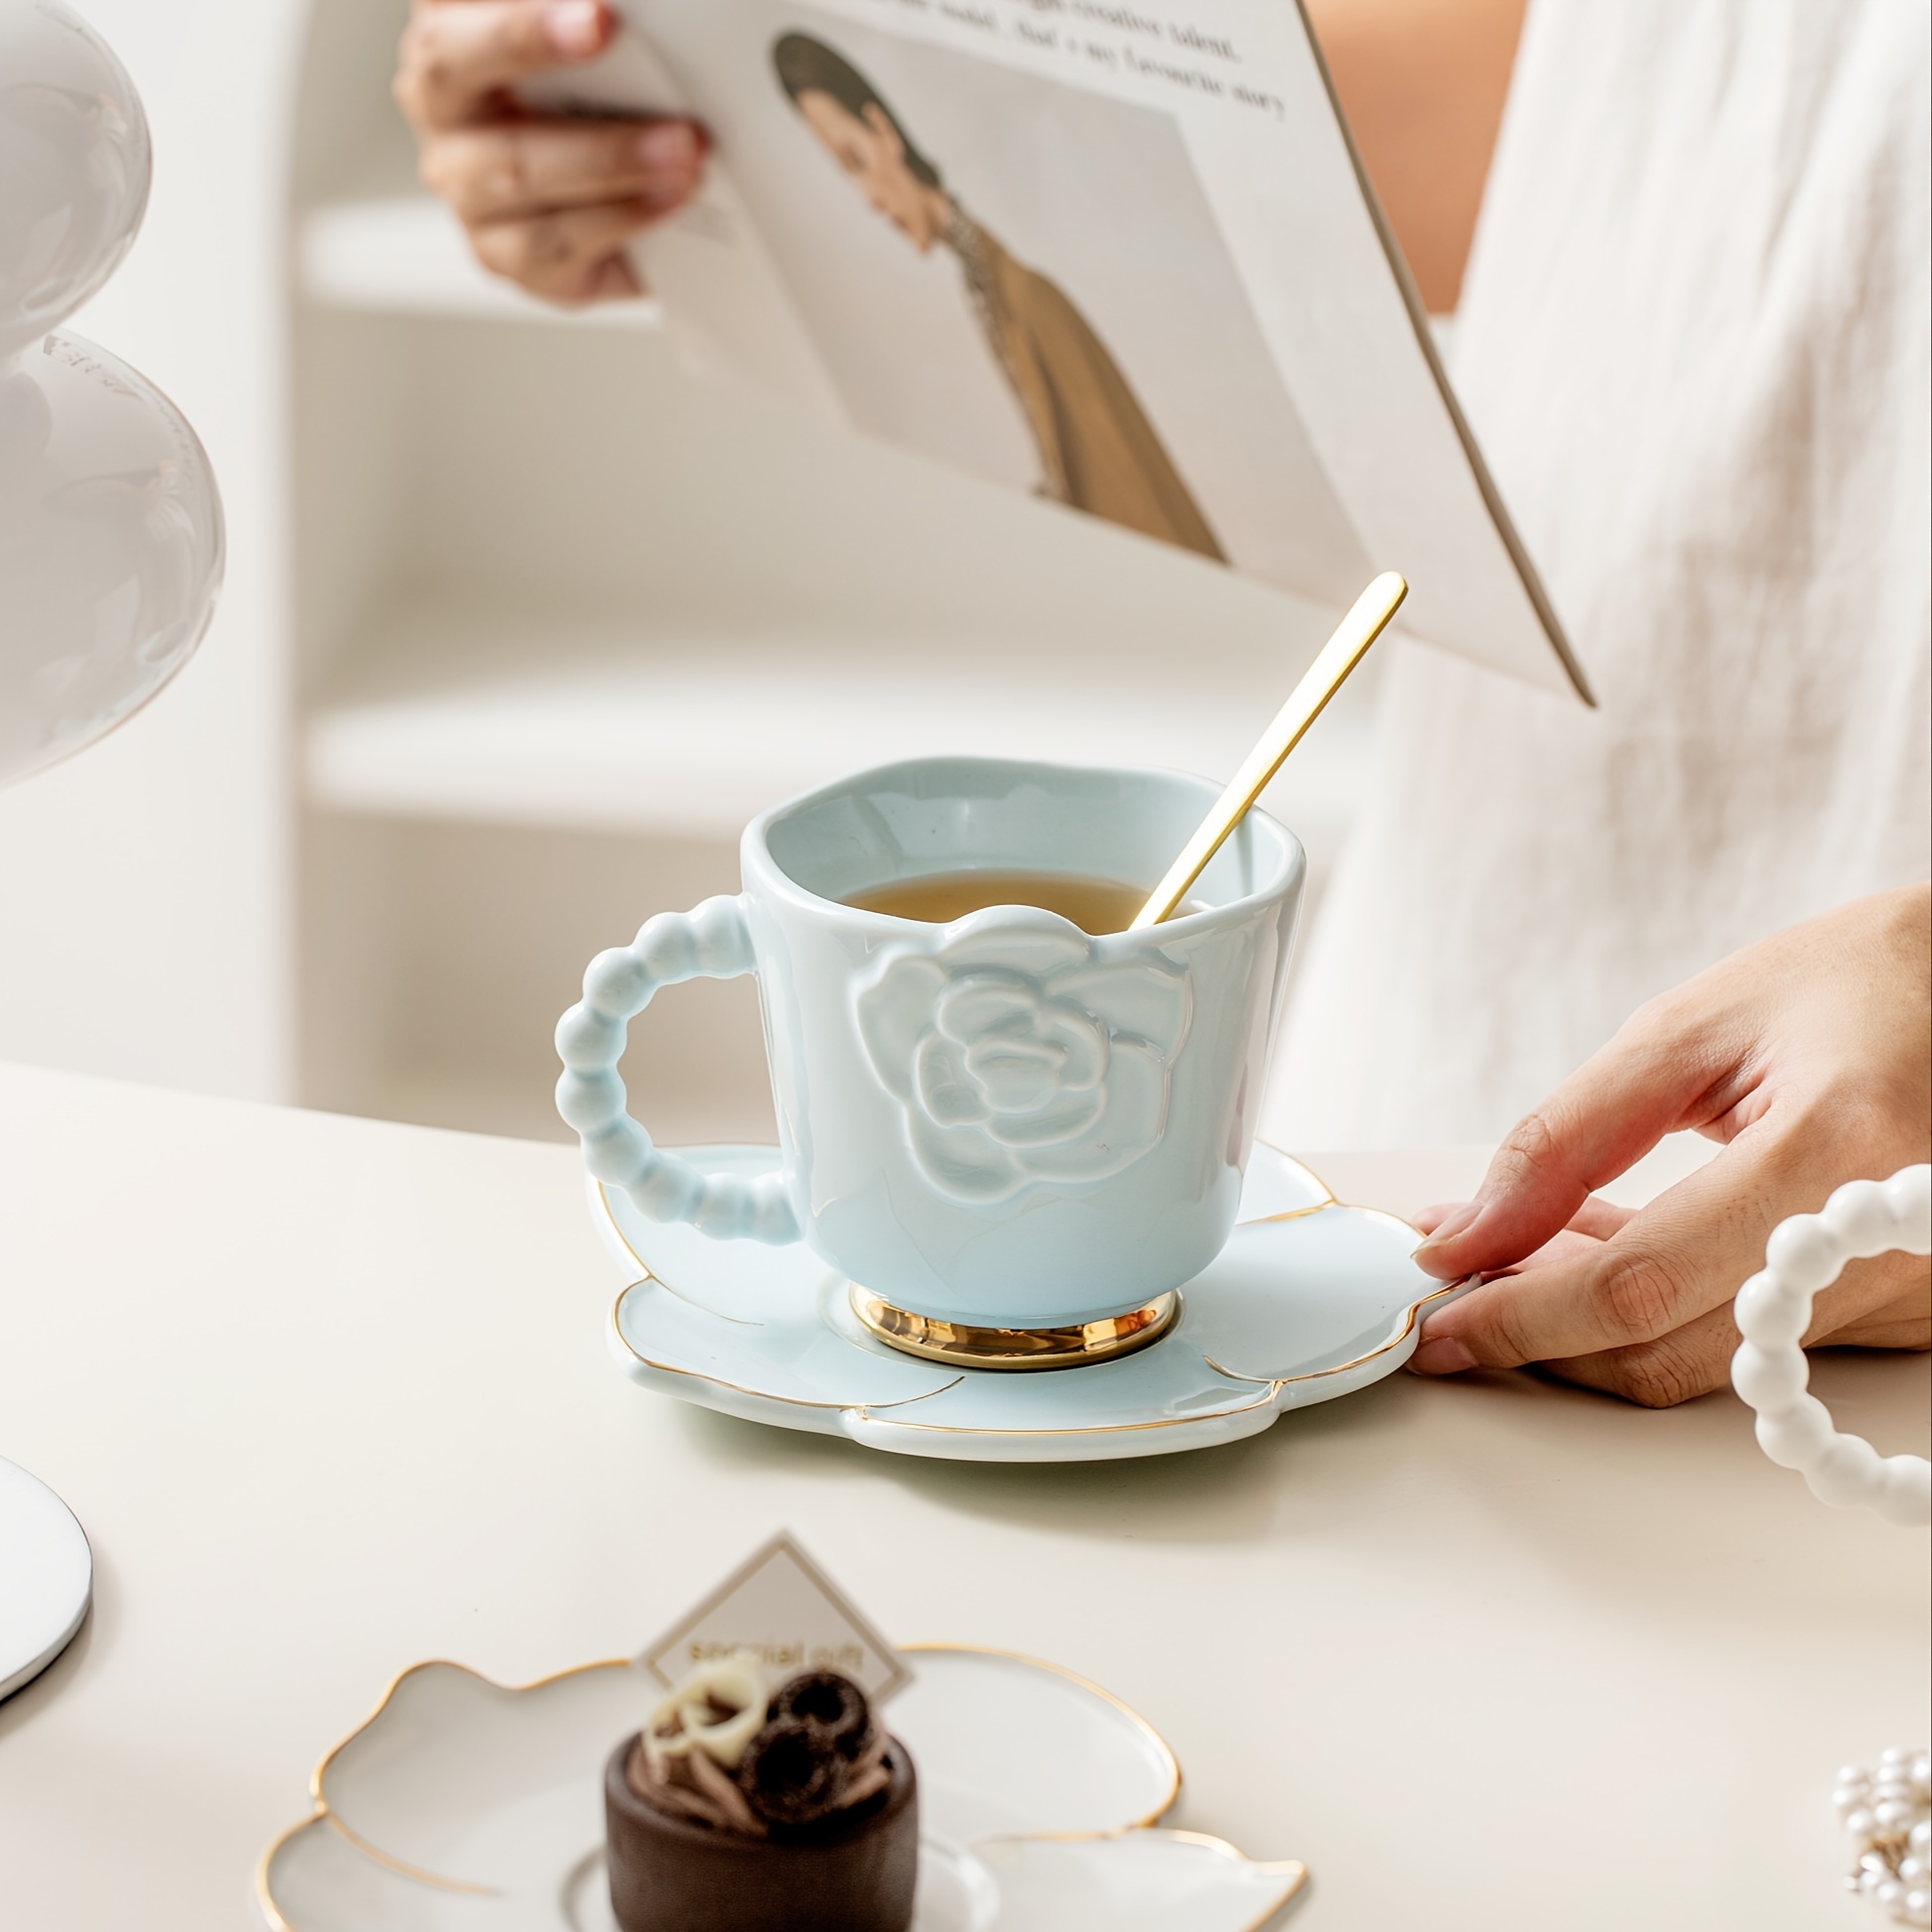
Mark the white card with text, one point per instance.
(786, 1613)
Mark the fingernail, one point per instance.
(1443, 1357)
(1454, 1224)
(668, 145)
(574, 27)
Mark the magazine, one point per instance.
(1118, 253)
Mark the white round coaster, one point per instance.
(47, 1576)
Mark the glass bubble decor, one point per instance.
(111, 551)
(112, 539)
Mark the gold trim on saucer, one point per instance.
(1015, 1349)
(743, 1388)
(1257, 1393)
(1281, 1153)
(1270, 1386)
(1307, 1173)
(1341, 1367)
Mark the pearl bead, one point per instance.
(1843, 1472)
(1772, 1318)
(1892, 1816)
(1910, 1192)
(1861, 1217)
(1910, 1871)
(1858, 1823)
(1795, 1437)
(1921, 1838)
(1769, 1380)
(1906, 1493)
(1802, 1255)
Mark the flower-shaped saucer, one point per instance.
(1310, 1299)
(463, 1806)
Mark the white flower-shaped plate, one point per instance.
(463, 1806)
(1310, 1299)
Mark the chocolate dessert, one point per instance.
(732, 1811)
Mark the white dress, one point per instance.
(1693, 344)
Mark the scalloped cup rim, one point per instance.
(754, 843)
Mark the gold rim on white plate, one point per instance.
(324, 1813)
(1170, 1764)
(1293, 1871)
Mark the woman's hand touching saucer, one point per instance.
(1810, 1056)
(549, 202)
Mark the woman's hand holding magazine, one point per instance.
(548, 202)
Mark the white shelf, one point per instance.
(406, 254)
(460, 718)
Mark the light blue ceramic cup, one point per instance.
(999, 1122)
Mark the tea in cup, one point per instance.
(1096, 906)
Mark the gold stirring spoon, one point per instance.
(1365, 621)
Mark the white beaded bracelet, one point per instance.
(1885, 1814)
(1769, 1370)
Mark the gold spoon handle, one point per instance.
(1368, 618)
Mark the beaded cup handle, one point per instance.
(710, 942)
(1804, 1255)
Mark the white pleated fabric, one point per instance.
(1694, 347)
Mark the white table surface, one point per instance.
(330, 1396)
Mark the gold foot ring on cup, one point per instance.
(974, 1347)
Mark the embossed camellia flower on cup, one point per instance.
(1013, 1138)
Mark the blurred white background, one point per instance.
(521, 626)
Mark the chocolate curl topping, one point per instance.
(792, 1773)
(834, 1706)
(715, 1712)
(819, 1752)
